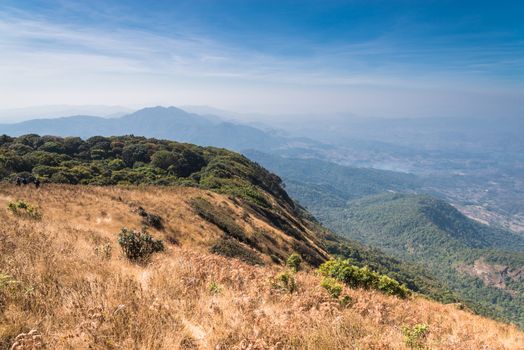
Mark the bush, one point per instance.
(21, 208)
(414, 337)
(285, 281)
(332, 286)
(138, 245)
(150, 220)
(390, 286)
(294, 261)
(362, 277)
(163, 159)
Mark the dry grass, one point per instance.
(78, 298)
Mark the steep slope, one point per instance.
(141, 161)
(186, 216)
(64, 277)
(483, 265)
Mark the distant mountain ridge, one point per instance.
(160, 122)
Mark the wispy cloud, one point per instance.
(45, 61)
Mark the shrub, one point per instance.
(163, 159)
(414, 337)
(21, 208)
(294, 261)
(285, 281)
(138, 245)
(332, 286)
(151, 220)
(391, 287)
(356, 277)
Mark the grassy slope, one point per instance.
(79, 299)
(134, 160)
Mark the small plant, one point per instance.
(294, 261)
(346, 301)
(138, 245)
(6, 281)
(214, 288)
(104, 251)
(21, 208)
(151, 220)
(285, 281)
(6, 286)
(415, 337)
(332, 286)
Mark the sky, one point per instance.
(372, 58)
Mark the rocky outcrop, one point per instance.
(493, 275)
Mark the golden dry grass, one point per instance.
(78, 298)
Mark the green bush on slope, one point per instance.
(362, 277)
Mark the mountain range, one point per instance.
(160, 122)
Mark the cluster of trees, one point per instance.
(131, 160)
(362, 277)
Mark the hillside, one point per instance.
(484, 265)
(133, 160)
(64, 276)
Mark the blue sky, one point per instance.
(369, 58)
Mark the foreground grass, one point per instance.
(68, 280)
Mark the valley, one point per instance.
(382, 209)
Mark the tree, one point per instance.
(162, 159)
(135, 153)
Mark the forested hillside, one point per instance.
(484, 265)
(328, 184)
